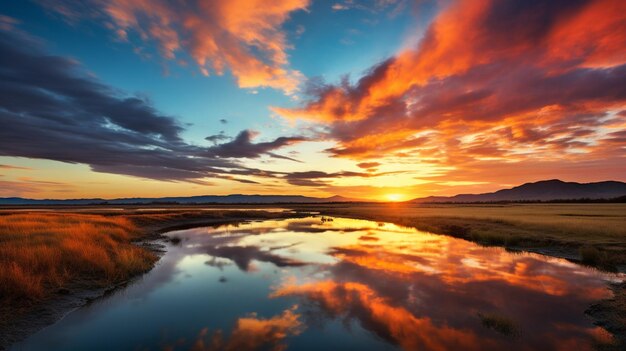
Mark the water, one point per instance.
(304, 284)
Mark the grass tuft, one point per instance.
(591, 256)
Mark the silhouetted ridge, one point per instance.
(203, 199)
(545, 190)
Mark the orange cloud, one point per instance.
(27, 186)
(10, 167)
(397, 323)
(503, 81)
(242, 36)
(252, 333)
(596, 35)
(441, 258)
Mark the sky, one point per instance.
(379, 99)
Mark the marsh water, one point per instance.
(308, 284)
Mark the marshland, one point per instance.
(55, 255)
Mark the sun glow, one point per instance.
(394, 197)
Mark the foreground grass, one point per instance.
(596, 233)
(43, 253)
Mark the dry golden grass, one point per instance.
(41, 253)
(585, 220)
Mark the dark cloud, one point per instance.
(217, 138)
(242, 146)
(244, 255)
(319, 178)
(368, 165)
(223, 121)
(528, 21)
(617, 137)
(50, 109)
(368, 238)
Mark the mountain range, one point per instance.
(203, 199)
(545, 190)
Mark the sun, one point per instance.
(394, 197)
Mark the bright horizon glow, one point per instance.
(395, 197)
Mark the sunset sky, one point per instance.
(381, 99)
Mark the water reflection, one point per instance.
(249, 333)
(307, 284)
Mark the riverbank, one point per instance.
(56, 261)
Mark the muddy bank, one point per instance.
(22, 321)
(610, 314)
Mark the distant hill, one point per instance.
(545, 190)
(203, 199)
